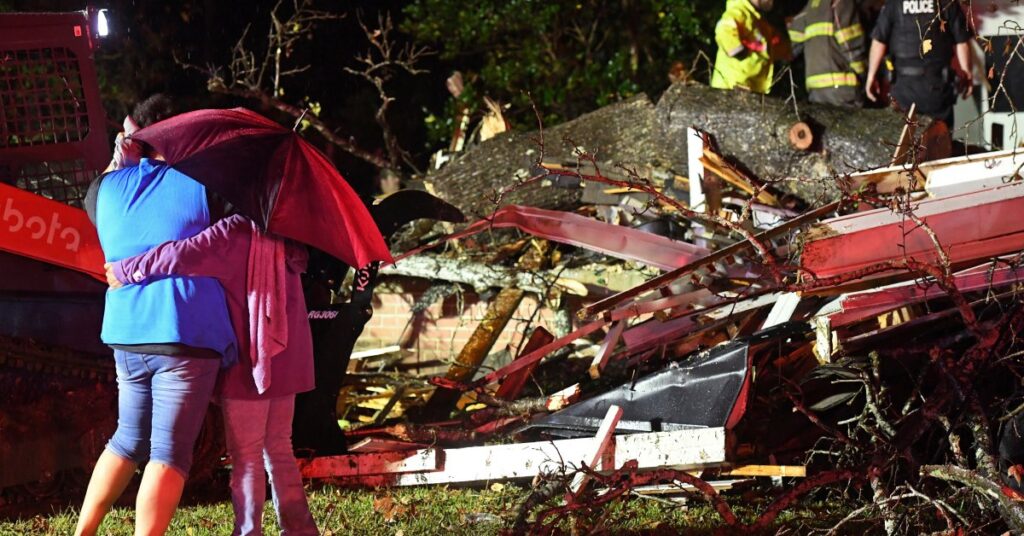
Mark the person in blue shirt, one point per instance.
(170, 336)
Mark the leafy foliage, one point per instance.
(570, 56)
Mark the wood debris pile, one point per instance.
(763, 326)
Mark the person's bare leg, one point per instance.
(109, 478)
(158, 498)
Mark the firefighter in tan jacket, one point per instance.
(829, 35)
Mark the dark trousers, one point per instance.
(850, 97)
(934, 94)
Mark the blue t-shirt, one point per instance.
(138, 208)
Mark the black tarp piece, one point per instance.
(707, 390)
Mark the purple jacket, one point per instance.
(221, 252)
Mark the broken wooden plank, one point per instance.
(602, 440)
(512, 384)
(562, 399)
(377, 463)
(695, 144)
(909, 176)
(720, 166)
(863, 239)
(607, 348)
(796, 471)
(694, 449)
(379, 444)
(975, 173)
(783, 310)
(902, 153)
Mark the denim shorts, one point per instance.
(161, 404)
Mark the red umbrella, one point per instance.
(273, 176)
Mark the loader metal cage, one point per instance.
(41, 97)
(53, 138)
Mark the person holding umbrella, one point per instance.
(260, 274)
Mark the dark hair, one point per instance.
(155, 108)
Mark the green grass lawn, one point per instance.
(413, 511)
(432, 510)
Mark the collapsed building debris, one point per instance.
(764, 326)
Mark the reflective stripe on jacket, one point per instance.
(833, 43)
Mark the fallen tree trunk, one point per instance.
(754, 130)
(622, 132)
(751, 129)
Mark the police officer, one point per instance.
(921, 36)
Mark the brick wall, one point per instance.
(441, 330)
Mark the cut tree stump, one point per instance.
(800, 136)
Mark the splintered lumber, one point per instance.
(562, 399)
(902, 153)
(975, 172)
(607, 348)
(602, 440)
(695, 143)
(714, 162)
(948, 176)
(798, 471)
(376, 463)
(378, 444)
(970, 226)
(512, 384)
(488, 419)
(499, 312)
(668, 277)
(693, 449)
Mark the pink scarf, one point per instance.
(267, 300)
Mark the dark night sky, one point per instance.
(137, 60)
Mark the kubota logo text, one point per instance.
(38, 228)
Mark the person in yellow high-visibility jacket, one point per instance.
(748, 46)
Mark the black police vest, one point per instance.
(919, 38)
